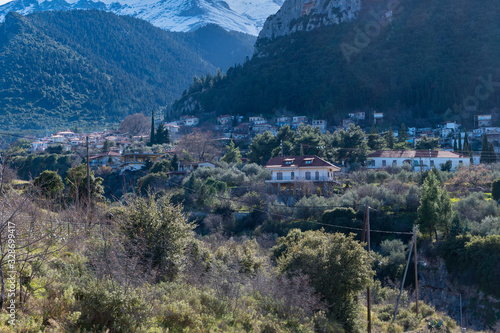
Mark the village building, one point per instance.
(301, 175)
(482, 120)
(283, 120)
(358, 115)
(224, 119)
(378, 118)
(321, 124)
(137, 161)
(110, 158)
(419, 160)
(190, 121)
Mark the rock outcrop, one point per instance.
(306, 15)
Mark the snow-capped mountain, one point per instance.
(247, 16)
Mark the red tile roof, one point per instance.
(415, 154)
(299, 161)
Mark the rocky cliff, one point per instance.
(306, 15)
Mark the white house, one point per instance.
(301, 175)
(224, 119)
(418, 159)
(38, 146)
(321, 124)
(257, 120)
(191, 121)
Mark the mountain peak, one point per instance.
(247, 16)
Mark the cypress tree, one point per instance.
(460, 142)
(152, 137)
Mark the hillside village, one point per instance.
(123, 151)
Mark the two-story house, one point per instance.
(301, 175)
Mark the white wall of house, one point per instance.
(302, 174)
(384, 162)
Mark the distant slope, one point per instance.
(246, 16)
(423, 66)
(220, 47)
(92, 67)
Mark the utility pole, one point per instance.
(415, 231)
(281, 145)
(366, 234)
(88, 173)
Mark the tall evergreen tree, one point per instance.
(460, 142)
(485, 150)
(152, 135)
(161, 135)
(403, 134)
(232, 154)
(435, 211)
(390, 140)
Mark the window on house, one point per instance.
(384, 162)
(292, 175)
(394, 162)
(461, 162)
(279, 176)
(432, 163)
(308, 175)
(316, 175)
(309, 161)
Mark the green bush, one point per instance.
(104, 304)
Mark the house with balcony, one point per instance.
(419, 160)
(301, 175)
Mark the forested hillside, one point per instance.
(423, 62)
(90, 67)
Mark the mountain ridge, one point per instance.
(422, 63)
(93, 67)
(233, 15)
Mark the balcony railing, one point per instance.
(300, 179)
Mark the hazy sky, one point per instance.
(4, 1)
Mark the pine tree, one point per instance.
(403, 134)
(232, 154)
(161, 135)
(389, 139)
